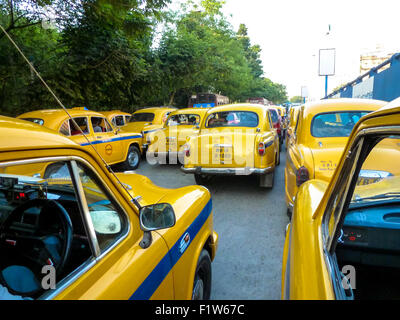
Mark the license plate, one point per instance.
(365, 181)
(223, 153)
(171, 143)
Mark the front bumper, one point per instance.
(227, 171)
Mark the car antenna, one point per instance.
(134, 200)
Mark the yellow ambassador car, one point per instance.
(112, 144)
(148, 120)
(116, 117)
(318, 139)
(291, 122)
(86, 233)
(343, 241)
(237, 139)
(169, 141)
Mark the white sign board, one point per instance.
(327, 62)
(304, 92)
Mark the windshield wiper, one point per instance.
(378, 196)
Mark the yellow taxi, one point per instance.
(88, 233)
(169, 141)
(92, 129)
(118, 118)
(237, 139)
(343, 238)
(291, 122)
(318, 139)
(148, 120)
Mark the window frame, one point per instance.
(364, 142)
(238, 111)
(97, 255)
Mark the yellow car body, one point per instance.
(179, 127)
(113, 145)
(237, 139)
(291, 123)
(316, 156)
(341, 242)
(117, 118)
(146, 121)
(107, 258)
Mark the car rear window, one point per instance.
(232, 119)
(335, 124)
(142, 117)
(183, 119)
(274, 115)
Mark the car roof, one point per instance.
(155, 109)
(199, 111)
(114, 112)
(39, 136)
(342, 104)
(239, 107)
(53, 117)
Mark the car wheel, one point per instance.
(278, 158)
(202, 179)
(202, 277)
(267, 180)
(132, 159)
(289, 213)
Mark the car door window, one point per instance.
(118, 120)
(100, 124)
(368, 229)
(40, 212)
(108, 219)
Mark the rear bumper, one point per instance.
(227, 171)
(175, 154)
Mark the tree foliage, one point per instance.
(125, 54)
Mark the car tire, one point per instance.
(267, 180)
(289, 213)
(278, 158)
(202, 277)
(133, 158)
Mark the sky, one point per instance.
(291, 33)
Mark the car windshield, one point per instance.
(142, 117)
(232, 119)
(378, 179)
(183, 119)
(335, 124)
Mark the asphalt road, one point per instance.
(250, 222)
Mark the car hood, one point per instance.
(185, 200)
(148, 192)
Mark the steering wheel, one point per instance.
(36, 245)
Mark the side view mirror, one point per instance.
(155, 217)
(117, 130)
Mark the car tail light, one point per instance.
(277, 126)
(261, 149)
(302, 176)
(186, 149)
